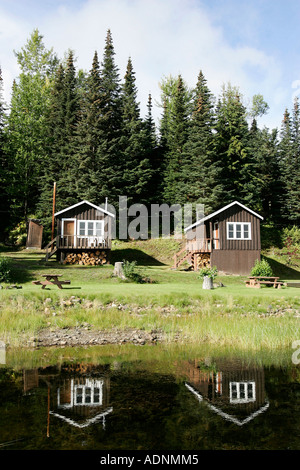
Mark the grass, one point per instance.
(175, 302)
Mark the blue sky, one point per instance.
(253, 44)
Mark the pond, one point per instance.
(147, 398)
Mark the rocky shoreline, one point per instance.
(84, 336)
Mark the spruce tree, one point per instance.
(62, 166)
(201, 174)
(176, 138)
(135, 162)
(232, 144)
(88, 138)
(110, 155)
(264, 186)
(290, 165)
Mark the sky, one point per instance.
(253, 44)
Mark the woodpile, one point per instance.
(203, 260)
(88, 258)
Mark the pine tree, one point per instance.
(136, 165)
(265, 186)
(231, 144)
(110, 154)
(155, 154)
(89, 136)
(176, 137)
(289, 149)
(200, 172)
(62, 166)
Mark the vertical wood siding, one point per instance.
(238, 214)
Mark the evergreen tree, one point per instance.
(136, 165)
(290, 165)
(231, 144)
(155, 154)
(110, 155)
(201, 182)
(264, 186)
(176, 137)
(89, 136)
(62, 166)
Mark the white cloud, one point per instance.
(162, 37)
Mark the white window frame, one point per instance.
(242, 224)
(94, 222)
(238, 392)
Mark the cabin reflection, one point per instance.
(77, 394)
(82, 401)
(231, 390)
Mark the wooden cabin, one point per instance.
(82, 229)
(231, 390)
(228, 239)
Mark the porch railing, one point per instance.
(69, 241)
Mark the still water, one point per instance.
(129, 399)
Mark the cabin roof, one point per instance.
(222, 210)
(85, 202)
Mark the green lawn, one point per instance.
(174, 301)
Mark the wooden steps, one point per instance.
(197, 259)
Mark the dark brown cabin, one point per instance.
(231, 390)
(83, 226)
(228, 239)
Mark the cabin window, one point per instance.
(91, 228)
(81, 229)
(242, 392)
(239, 230)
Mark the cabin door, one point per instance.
(69, 232)
(216, 236)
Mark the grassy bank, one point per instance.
(173, 302)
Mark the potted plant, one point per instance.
(208, 275)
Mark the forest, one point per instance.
(84, 131)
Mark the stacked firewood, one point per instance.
(90, 258)
(203, 260)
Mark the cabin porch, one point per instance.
(61, 245)
(196, 253)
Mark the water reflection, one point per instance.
(77, 395)
(231, 391)
(182, 404)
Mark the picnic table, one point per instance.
(51, 279)
(257, 281)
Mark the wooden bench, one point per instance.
(257, 281)
(51, 279)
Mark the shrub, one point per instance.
(261, 268)
(291, 234)
(131, 272)
(5, 270)
(210, 272)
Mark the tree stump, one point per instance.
(207, 283)
(118, 270)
